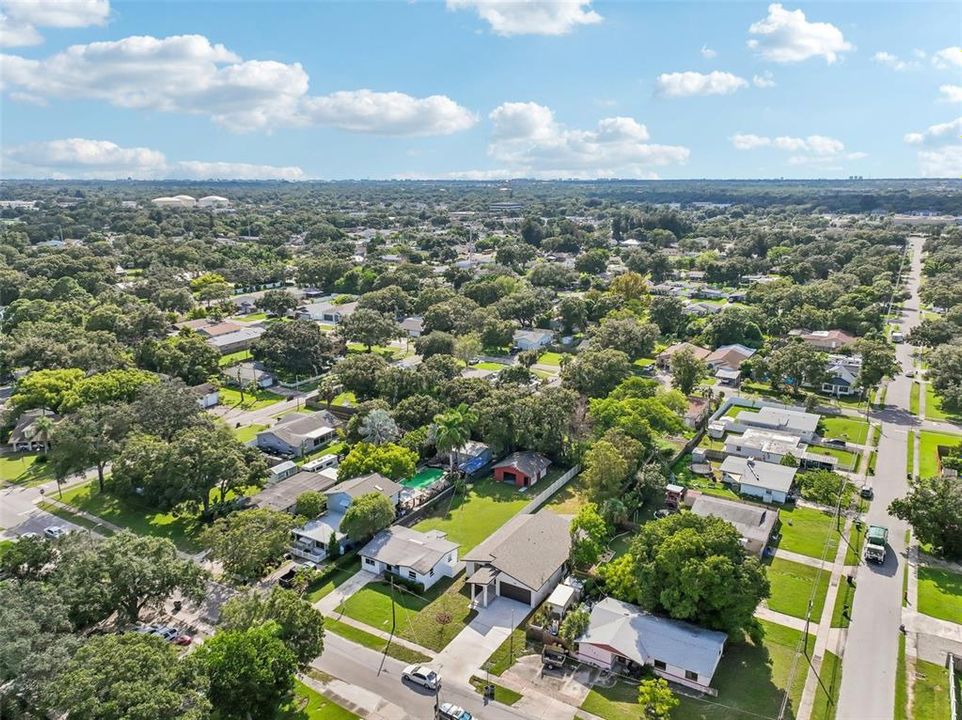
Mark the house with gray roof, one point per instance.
(282, 495)
(622, 637)
(298, 434)
(523, 560)
(769, 482)
(754, 523)
(792, 422)
(422, 557)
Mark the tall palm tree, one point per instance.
(452, 429)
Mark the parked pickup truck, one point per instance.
(875, 544)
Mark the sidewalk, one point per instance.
(356, 699)
(330, 602)
(797, 558)
(763, 612)
(385, 635)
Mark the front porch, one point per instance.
(483, 583)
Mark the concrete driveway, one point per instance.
(465, 654)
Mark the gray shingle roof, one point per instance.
(528, 462)
(375, 482)
(403, 546)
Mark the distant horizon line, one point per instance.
(485, 181)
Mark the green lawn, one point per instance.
(831, 674)
(933, 406)
(914, 399)
(373, 642)
(550, 358)
(806, 530)
(234, 358)
(684, 476)
(849, 429)
(844, 596)
(792, 585)
(901, 684)
(940, 594)
(248, 432)
(853, 553)
(503, 695)
(910, 455)
(416, 615)
(496, 367)
(253, 317)
(846, 459)
(751, 681)
(75, 518)
(930, 699)
(472, 518)
(252, 401)
(308, 704)
(507, 654)
(928, 450)
(345, 399)
(23, 469)
(182, 529)
(337, 577)
(569, 499)
(644, 362)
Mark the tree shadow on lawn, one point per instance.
(752, 679)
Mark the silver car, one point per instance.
(422, 675)
(55, 532)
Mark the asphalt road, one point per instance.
(359, 666)
(871, 650)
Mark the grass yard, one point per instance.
(683, 475)
(846, 460)
(24, 470)
(931, 691)
(496, 367)
(231, 397)
(472, 518)
(569, 499)
(253, 317)
(345, 399)
(806, 531)
(248, 432)
(831, 674)
(844, 596)
(503, 695)
(751, 680)
(910, 454)
(914, 402)
(337, 577)
(849, 429)
(75, 518)
(416, 614)
(933, 406)
(509, 651)
(550, 358)
(373, 642)
(940, 594)
(308, 704)
(853, 554)
(929, 450)
(234, 358)
(181, 529)
(901, 684)
(792, 585)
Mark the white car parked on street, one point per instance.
(422, 675)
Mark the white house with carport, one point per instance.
(621, 636)
(769, 482)
(419, 557)
(523, 560)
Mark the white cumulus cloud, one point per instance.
(936, 134)
(190, 74)
(951, 93)
(812, 149)
(786, 36)
(708, 53)
(529, 142)
(765, 80)
(944, 162)
(891, 61)
(389, 113)
(104, 160)
(531, 17)
(948, 58)
(20, 19)
(685, 84)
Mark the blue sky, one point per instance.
(480, 88)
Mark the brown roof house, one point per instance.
(664, 357)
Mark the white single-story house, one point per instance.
(523, 560)
(413, 326)
(793, 422)
(326, 312)
(247, 373)
(281, 471)
(765, 445)
(420, 557)
(532, 339)
(769, 482)
(207, 395)
(235, 341)
(299, 433)
(623, 636)
(754, 523)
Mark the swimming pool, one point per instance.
(424, 476)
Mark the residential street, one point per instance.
(871, 650)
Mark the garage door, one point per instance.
(513, 592)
